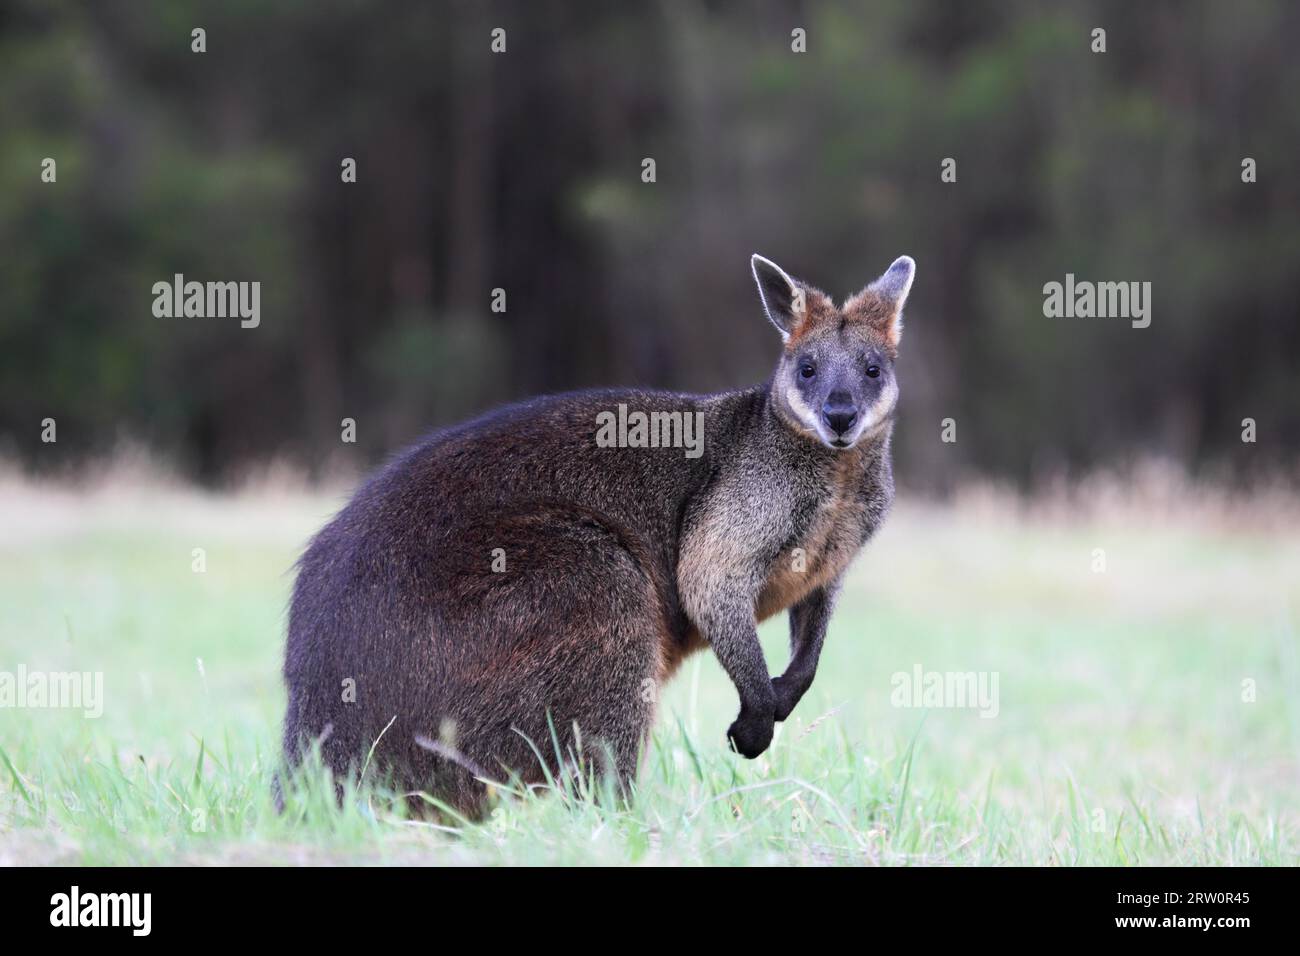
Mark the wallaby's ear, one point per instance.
(894, 285)
(783, 299)
(891, 290)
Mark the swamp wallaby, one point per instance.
(551, 563)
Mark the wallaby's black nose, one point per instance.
(839, 414)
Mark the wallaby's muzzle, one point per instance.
(839, 413)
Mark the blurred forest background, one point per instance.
(522, 170)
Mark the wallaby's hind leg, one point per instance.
(572, 630)
(615, 722)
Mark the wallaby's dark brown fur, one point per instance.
(514, 568)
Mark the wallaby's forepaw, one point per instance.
(787, 695)
(750, 734)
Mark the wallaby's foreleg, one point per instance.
(808, 620)
(733, 635)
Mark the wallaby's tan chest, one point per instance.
(822, 550)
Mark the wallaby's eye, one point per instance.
(873, 371)
(807, 370)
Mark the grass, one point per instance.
(1122, 735)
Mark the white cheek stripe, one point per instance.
(801, 409)
(879, 411)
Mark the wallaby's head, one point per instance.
(835, 381)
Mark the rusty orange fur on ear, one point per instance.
(818, 312)
(881, 303)
(871, 309)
